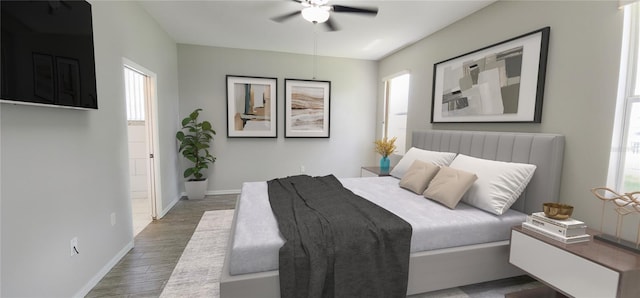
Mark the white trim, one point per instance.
(397, 74)
(164, 211)
(627, 58)
(616, 139)
(103, 272)
(623, 3)
(386, 100)
(153, 137)
(155, 189)
(137, 67)
(218, 192)
(223, 192)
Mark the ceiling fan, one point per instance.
(318, 11)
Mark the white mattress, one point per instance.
(257, 239)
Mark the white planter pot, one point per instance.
(196, 189)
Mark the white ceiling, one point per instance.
(247, 25)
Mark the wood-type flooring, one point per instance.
(146, 268)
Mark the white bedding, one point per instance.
(257, 240)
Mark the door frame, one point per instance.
(154, 188)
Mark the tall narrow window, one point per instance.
(396, 100)
(135, 94)
(625, 172)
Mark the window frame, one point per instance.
(385, 104)
(629, 72)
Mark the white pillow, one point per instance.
(434, 157)
(499, 183)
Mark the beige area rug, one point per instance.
(197, 273)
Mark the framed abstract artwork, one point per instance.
(503, 82)
(251, 107)
(307, 108)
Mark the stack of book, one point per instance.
(566, 231)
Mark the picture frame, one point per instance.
(503, 82)
(307, 108)
(252, 107)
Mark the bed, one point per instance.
(481, 255)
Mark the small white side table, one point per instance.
(585, 269)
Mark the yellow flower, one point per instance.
(385, 147)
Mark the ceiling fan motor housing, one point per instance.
(318, 11)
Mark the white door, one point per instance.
(142, 131)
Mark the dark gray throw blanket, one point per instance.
(337, 243)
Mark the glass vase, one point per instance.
(385, 163)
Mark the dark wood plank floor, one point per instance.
(145, 270)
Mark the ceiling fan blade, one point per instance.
(331, 25)
(285, 17)
(342, 8)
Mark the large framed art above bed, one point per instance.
(449, 246)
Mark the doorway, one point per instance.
(396, 103)
(140, 101)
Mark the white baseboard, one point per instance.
(217, 192)
(223, 192)
(168, 208)
(184, 194)
(101, 274)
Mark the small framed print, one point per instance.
(251, 107)
(307, 108)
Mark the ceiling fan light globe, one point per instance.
(315, 14)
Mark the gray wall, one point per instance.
(202, 75)
(581, 81)
(65, 171)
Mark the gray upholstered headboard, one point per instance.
(543, 150)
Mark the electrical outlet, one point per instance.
(113, 218)
(74, 246)
(302, 169)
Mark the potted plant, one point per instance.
(194, 140)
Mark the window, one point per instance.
(134, 82)
(624, 174)
(396, 100)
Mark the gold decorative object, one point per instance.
(386, 147)
(557, 211)
(624, 204)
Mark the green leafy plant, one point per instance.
(194, 144)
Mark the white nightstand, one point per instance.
(373, 172)
(585, 269)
